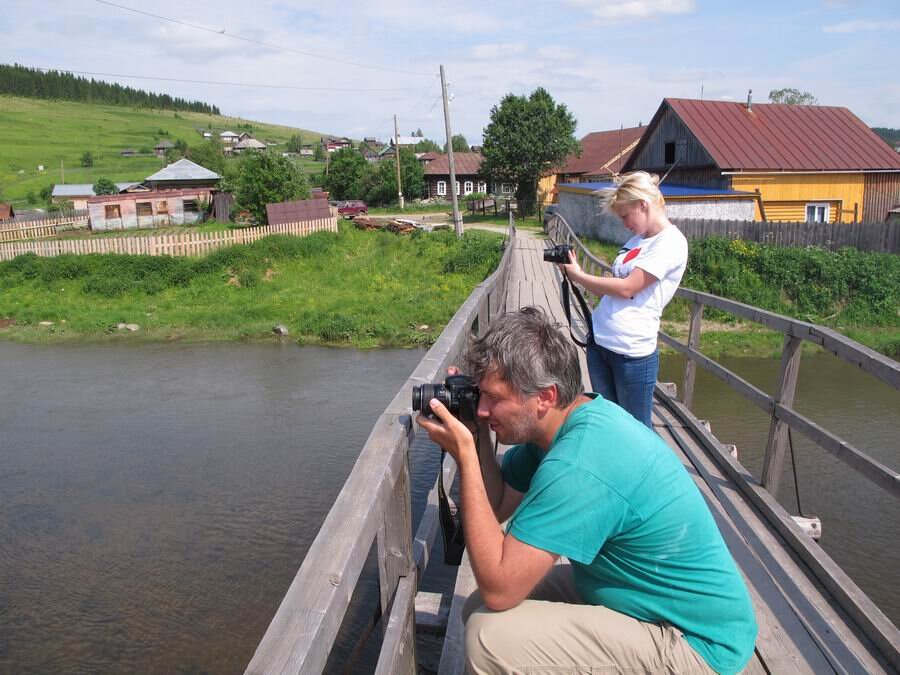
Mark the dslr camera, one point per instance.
(557, 254)
(458, 393)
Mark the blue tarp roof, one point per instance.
(667, 189)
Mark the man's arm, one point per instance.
(503, 498)
(505, 568)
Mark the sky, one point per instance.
(611, 63)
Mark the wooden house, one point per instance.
(181, 175)
(603, 154)
(160, 148)
(469, 178)
(158, 208)
(809, 163)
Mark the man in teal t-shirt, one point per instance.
(649, 584)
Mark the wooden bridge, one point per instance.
(812, 617)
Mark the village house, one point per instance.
(129, 152)
(469, 179)
(332, 144)
(603, 154)
(181, 175)
(160, 148)
(229, 137)
(78, 193)
(371, 148)
(809, 163)
(248, 144)
(158, 208)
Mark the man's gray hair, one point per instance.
(529, 352)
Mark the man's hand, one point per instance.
(448, 432)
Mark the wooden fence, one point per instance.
(29, 227)
(374, 506)
(878, 237)
(783, 417)
(186, 244)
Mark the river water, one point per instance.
(158, 499)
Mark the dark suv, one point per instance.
(352, 208)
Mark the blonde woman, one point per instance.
(623, 360)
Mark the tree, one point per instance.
(267, 178)
(427, 145)
(209, 155)
(295, 143)
(87, 158)
(459, 143)
(319, 153)
(104, 186)
(380, 184)
(346, 173)
(792, 96)
(46, 193)
(525, 137)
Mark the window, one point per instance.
(162, 208)
(506, 188)
(817, 213)
(191, 206)
(442, 188)
(482, 187)
(457, 188)
(670, 153)
(468, 188)
(112, 211)
(144, 209)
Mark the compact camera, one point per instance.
(557, 254)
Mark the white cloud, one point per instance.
(630, 10)
(557, 53)
(863, 25)
(492, 52)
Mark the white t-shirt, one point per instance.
(629, 326)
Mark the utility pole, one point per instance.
(62, 171)
(397, 164)
(457, 218)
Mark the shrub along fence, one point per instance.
(186, 244)
(878, 237)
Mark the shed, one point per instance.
(6, 212)
(160, 148)
(581, 206)
(183, 174)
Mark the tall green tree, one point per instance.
(87, 158)
(319, 153)
(295, 143)
(792, 96)
(267, 178)
(459, 143)
(381, 184)
(525, 137)
(345, 174)
(104, 186)
(427, 145)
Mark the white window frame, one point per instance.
(442, 188)
(469, 187)
(482, 187)
(818, 207)
(506, 188)
(457, 188)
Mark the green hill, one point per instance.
(40, 132)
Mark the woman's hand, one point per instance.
(572, 268)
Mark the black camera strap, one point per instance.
(585, 312)
(451, 525)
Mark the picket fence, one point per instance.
(16, 229)
(185, 244)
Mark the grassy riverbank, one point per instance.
(853, 292)
(356, 288)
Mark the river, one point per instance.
(158, 499)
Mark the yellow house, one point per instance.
(807, 163)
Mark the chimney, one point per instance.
(749, 99)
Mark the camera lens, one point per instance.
(423, 393)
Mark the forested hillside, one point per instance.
(17, 80)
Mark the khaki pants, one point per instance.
(554, 633)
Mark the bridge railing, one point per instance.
(783, 417)
(374, 506)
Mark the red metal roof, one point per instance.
(778, 137)
(598, 149)
(291, 212)
(464, 164)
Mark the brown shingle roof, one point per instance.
(464, 164)
(778, 137)
(601, 148)
(291, 212)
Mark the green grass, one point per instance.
(41, 132)
(326, 288)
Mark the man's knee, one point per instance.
(484, 641)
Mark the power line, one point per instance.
(478, 96)
(260, 42)
(224, 84)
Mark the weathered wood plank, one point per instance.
(690, 368)
(398, 650)
(776, 446)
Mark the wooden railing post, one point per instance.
(690, 368)
(778, 430)
(395, 558)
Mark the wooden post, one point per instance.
(690, 368)
(762, 208)
(457, 218)
(397, 164)
(855, 212)
(778, 430)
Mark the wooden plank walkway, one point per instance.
(803, 628)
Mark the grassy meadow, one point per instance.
(42, 132)
(356, 288)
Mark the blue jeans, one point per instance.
(625, 380)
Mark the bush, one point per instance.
(471, 252)
(87, 158)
